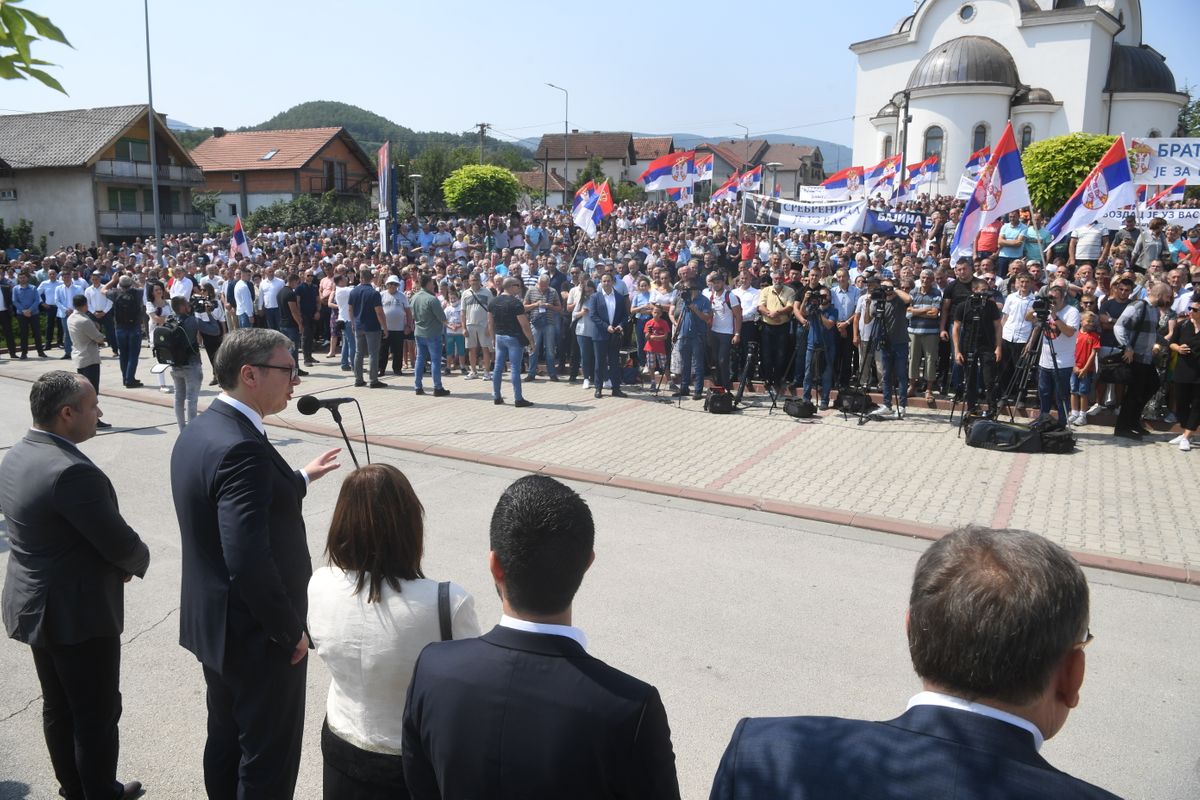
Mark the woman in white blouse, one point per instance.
(370, 613)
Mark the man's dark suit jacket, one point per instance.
(531, 715)
(71, 549)
(599, 311)
(928, 752)
(245, 556)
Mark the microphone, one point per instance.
(310, 404)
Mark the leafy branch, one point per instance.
(19, 29)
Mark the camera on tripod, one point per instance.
(879, 294)
(812, 302)
(686, 295)
(201, 305)
(1041, 309)
(975, 303)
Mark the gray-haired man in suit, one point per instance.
(72, 554)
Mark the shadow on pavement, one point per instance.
(13, 790)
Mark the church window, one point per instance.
(934, 138)
(980, 139)
(1026, 135)
(967, 12)
(887, 146)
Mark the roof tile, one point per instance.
(62, 138)
(244, 150)
(585, 145)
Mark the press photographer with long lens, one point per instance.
(956, 293)
(976, 337)
(693, 314)
(893, 347)
(819, 317)
(1057, 322)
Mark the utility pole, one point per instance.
(160, 254)
(483, 126)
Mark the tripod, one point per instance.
(859, 384)
(971, 369)
(1031, 354)
(744, 375)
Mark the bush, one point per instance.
(1055, 167)
(308, 211)
(481, 189)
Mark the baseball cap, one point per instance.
(392, 279)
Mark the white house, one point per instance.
(963, 68)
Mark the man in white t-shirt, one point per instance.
(1089, 244)
(341, 299)
(726, 329)
(270, 287)
(1058, 353)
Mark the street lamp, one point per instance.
(416, 179)
(773, 166)
(159, 251)
(745, 135)
(901, 99)
(566, 117)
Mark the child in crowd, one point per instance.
(456, 344)
(1087, 346)
(656, 330)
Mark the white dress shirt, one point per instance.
(97, 300)
(950, 701)
(270, 292)
(610, 302)
(569, 631)
(243, 299)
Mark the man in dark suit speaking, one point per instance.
(245, 569)
(523, 711)
(64, 592)
(997, 624)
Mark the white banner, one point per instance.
(760, 210)
(1165, 161)
(1186, 217)
(812, 194)
(966, 185)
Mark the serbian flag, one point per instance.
(1141, 193)
(672, 171)
(843, 184)
(682, 197)
(1172, 194)
(384, 162)
(966, 183)
(751, 181)
(595, 207)
(728, 190)
(237, 241)
(902, 192)
(925, 171)
(585, 192)
(704, 167)
(1109, 186)
(881, 176)
(1001, 188)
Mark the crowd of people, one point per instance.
(420, 703)
(677, 299)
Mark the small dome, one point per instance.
(970, 60)
(1034, 95)
(1139, 69)
(1069, 4)
(889, 110)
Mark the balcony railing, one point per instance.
(140, 170)
(343, 186)
(136, 220)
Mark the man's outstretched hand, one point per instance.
(323, 464)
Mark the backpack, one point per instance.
(171, 344)
(992, 435)
(127, 308)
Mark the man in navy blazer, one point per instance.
(997, 625)
(610, 315)
(523, 711)
(246, 565)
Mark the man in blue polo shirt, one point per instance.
(1011, 241)
(366, 306)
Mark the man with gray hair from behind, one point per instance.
(997, 625)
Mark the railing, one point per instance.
(136, 220)
(140, 170)
(322, 185)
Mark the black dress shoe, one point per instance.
(64, 358)
(618, 393)
(698, 396)
(131, 790)
(1128, 433)
(359, 384)
(377, 385)
(103, 424)
(419, 391)
(523, 403)
(440, 392)
(499, 401)
(554, 378)
(302, 373)
(598, 393)
(310, 363)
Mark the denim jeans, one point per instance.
(691, 357)
(895, 372)
(348, 344)
(545, 343)
(245, 320)
(814, 360)
(1054, 389)
(366, 343)
(508, 350)
(66, 335)
(187, 388)
(430, 349)
(587, 358)
(273, 318)
(129, 346)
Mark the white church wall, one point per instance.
(956, 112)
(1136, 115)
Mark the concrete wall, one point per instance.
(60, 203)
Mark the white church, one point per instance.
(962, 68)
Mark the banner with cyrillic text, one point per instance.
(1163, 162)
(763, 211)
(894, 223)
(1184, 217)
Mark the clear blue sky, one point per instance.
(642, 66)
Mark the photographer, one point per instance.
(1059, 322)
(976, 336)
(890, 305)
(188, 375)
(726, 325)
(819, 317)
(1015, 331)
(693, 313)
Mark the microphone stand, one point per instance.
(337, 417)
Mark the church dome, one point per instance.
(1035, 95)
(968, 60)
(889, 110)
(1139, 69)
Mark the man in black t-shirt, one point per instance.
(508, 326)
(290, 321)
(954, 295)
(977, 332)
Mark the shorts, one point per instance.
(1082, 384)
(477, 337)
(455, 345)
(656, 362)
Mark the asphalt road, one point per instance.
(729, 613)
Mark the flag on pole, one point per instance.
(1109, 186)
(880, 177)
(728, 190)
(924, 171)
(384, 164)
(751, 181)
(902, 192)
(704, 167)
(682, 197)
(595, 207)
(1001, 188)
(1141, 194)
(585, 192)
(237, 241)
(672, 171)
(842, 185)
(1172, 194)
(978, 161)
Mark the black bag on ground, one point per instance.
(171, 345)
(799, 408)
(992, 435)
(856, 401)
(718, 402)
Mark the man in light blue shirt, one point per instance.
(64, 293)
(1011, 241)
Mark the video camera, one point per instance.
(201, 305)
(1041, 309)
(879, 294)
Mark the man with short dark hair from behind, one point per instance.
(524, 711)
(997, 625)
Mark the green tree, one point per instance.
(434, 165)
(481, 189)
(1055, 167)
(1189, 116)
(628, 191)
(592, 171)
(16, 60)
(206, 203)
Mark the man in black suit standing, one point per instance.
(64, 592)
(997, 625)
(523, 711)
(610, 315)
(246, 567)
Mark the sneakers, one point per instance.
(1077, 418)
(1170, 418)
(900, 412)
(1185, 445)
(886, 412)
(166, 390)
(1178, 439)
(523, 403)
(587, 384)
(440, 392)
(1096, 408)
(471, 376)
